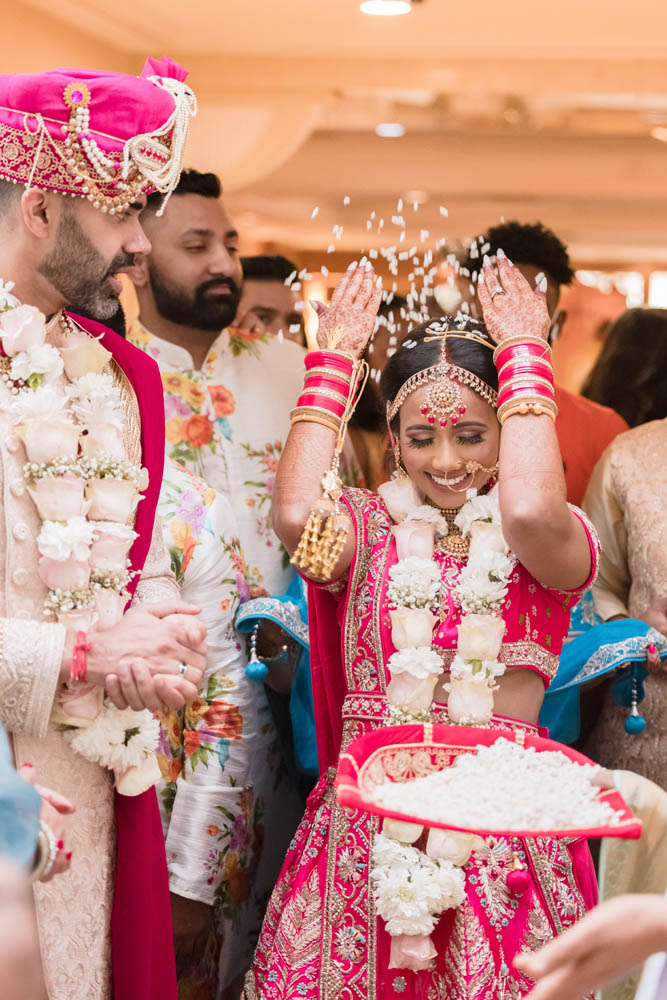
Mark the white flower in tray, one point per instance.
(415, 583)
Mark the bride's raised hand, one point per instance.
(347, 323)
(511, 307)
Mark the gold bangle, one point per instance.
(338, 397)
(515, 341)
(328, 373)
(527, 406)
(528, 380)
(314, 419)
(317, 415)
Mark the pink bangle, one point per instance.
(525, 392)
(512, 370)
(523, 386)
(521, 350)
(330, 359)
(322, 400)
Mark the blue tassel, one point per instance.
(255, 670)
(635, 723)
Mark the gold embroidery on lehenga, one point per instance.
(469, 965)
(539, 931)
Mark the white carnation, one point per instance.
(415, 583)
(104, 742)
(482, 508)
(432, 516)
(45, 403)
(113, 528)
(95, 399)
(418, 661)
(43, 362)
(63, 540)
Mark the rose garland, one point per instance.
(413, 887)
(85, 491)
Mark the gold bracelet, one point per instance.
(328, 373)
(528, 380)
(527, 406)
(316, 415)
(515, 341)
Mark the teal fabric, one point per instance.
(20, 806)
(595, 649)
(290, 611)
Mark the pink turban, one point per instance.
(107, 137)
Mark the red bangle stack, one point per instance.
(330, 380)
(525, 378)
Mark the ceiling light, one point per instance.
(416, 196)
(390, 130)
(385, 8)
(659, 132)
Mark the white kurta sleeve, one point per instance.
(30, 664)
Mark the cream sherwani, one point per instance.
(74, 909)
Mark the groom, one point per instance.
(80, 151)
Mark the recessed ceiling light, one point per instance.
(385, 8)
(390, 130)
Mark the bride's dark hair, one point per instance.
(418, 352)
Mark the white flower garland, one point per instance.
(413, 887)
(84, 501)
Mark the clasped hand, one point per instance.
(153, 658)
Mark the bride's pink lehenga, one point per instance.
(321, 936)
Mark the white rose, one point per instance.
(85, 356)
(109, 551)
(406, 833)
(111, 499)
(432, 515)
(58, 498)
(47, 439)
(21, 329)
(411, 951)
(139, 779)
(58, 575)
(414, 538)
(411, 627)
(469, 703)
(486, 538)
(103, 440)
(414, 694)
(452, 846)
(400, 496)
(482, 508)
(480, 637)
(36, 364)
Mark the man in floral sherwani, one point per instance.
(227, 400)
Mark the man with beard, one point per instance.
(228, 394)
(84, 409)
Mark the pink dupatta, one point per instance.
(142, 947)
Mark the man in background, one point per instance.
(584, 428)
(228, 394)
(267, 297)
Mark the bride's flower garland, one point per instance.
(413, 887)
(85, 491)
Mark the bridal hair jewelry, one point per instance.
(444, 400)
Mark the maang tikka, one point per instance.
(444, 399)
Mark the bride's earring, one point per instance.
(400, 471)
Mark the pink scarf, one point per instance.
(142, 946)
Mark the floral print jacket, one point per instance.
(206, 749)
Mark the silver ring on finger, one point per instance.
(182, 669)
(498, 290)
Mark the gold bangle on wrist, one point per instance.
(47, 851)
(516, 341)
(533, 405)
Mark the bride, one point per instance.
(470, 555)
